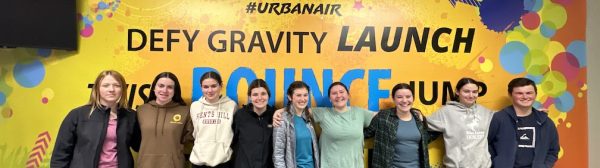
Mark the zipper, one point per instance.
(101, 137)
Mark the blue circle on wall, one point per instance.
(2, 98)
(565, 102)
(537, 105)
(102, 5)
(29, 75)
(577, 48)
(512, 56)
(537, 79)
(533, 5)
(547, 29)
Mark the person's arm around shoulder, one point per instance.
(278, 117)
(65, 141)
(374, 124)
(554, 147)
(367, 115)
(279, 142)
(433, 135)
(489, 112)
(437, 121)
(318, 113)
(234, 105)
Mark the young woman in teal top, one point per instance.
(341, 140)
(295, 141)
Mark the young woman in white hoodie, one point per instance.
(212, 117)
(464, 124)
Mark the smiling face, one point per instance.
(523, 96)
(259, 98)
(403, 98)
(110, 91)
(299, 98)
(164, 90)
(468, 94)
(338, 95)
(211, 89)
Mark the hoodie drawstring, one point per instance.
(162, 129)
(156, 122)
(218, 110)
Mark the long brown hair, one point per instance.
(95, 96)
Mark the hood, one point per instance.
(250, 109)
(459, 106)
(540, 117)
(221, 100)
(171, 104)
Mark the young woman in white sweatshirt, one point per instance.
(212, 117)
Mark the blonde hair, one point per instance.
(95, 96)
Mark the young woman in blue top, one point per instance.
(295, 142)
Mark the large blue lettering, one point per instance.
(308, 76)
(270, 79)
(234, 79)
(374, 93)
(351, 76)
(318, 92)
(196, 86)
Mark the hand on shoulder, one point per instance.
(278, 117)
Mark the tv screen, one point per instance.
(38, 24)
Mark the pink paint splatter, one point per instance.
(531, 20)
(548, 102)
(481, 59)
(87, 31)
(567, 64)
(45, 100)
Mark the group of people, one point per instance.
(102, 132)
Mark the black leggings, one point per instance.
(222, 165)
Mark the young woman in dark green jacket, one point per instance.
(400, 133)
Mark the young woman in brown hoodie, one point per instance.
(165, 124)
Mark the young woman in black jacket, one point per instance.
(100, 133)
(252, 141)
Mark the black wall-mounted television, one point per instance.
(38, 24)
